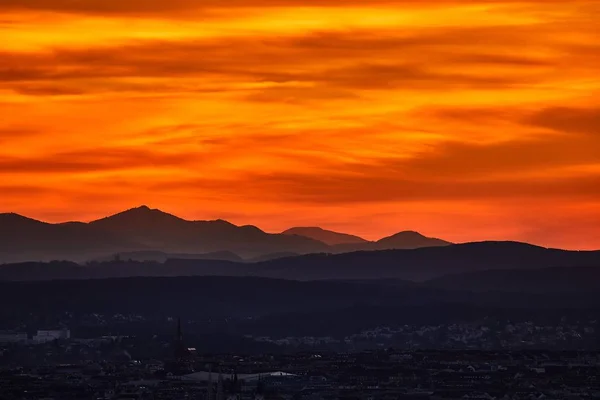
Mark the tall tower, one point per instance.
(259, 394)
(180, 351)
(235, 389)
(209, 389)
(220, 393)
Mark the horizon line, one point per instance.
(145, 206)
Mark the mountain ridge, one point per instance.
(417, 265)
(570, 279)
(326, 236)
(410, 238)
(147, 229)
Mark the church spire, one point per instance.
(220, 393)
(260, 389)
(209, 389)
(180, 350)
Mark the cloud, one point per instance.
(438, 108)
(527, 169)
(99, 6)
(24, 190)
(317, 66)
(47, 90)
(566, 119)
(93, 160)
(8, 133)
(322, 190)
(506, 158)
(159, 6)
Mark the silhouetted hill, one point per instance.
(415, 265)
(256, 297)
(145, 233)
(557, 279)
(41, 271)
(401, 240)
(218, 295)
(24, 239)
(426, 263)
(160, 256)
(65, 270)
(328, 237)
(409, 240)
(161, 231)
(139, 229)
(273, 256)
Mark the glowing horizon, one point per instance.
(466, 120)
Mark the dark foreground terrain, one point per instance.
(524, 333)
(417, 265)
(381, 374)
(561, 311)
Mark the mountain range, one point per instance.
(471, 265)
(144, 242)
(345, 302)
(330, 238)
(151, 234)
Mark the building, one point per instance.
(182, 363)
(44, 336)
(13, 337)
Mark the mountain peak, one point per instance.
(144, 209)
(142, 216)
(12, 218)
(410, 239)
(221, 222)
(406, 234)
(251, 228)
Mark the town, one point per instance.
(379, 374)
(53, 364)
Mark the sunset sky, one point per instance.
(466, 120)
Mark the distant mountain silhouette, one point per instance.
(344, 243)
(401, 240)
(139, 229)
(158, 230)
(409, 240)
(546, 280)
(417, 265)
(142, 223)
(273, 256)
(426, 263)
(23, 238)
(328, 237)
(143, 233)
(332, 303)
(160, 256)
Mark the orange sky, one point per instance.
(463, 119)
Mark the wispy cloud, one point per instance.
(424, 110)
